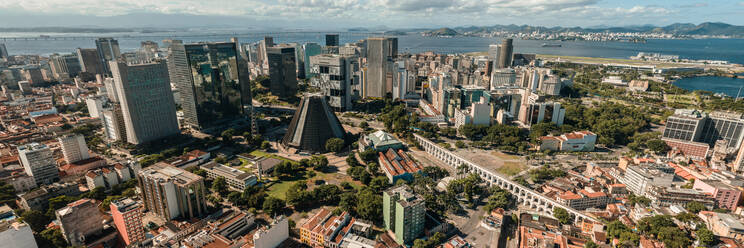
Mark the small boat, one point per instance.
(551, 45)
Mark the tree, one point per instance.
(52, 238)
(364, 125)
(658, 146)
(432, 242)
(265, 145)
(7, 194)
(348, 202)
(219, 185)
(499, 198)
(706, 237)
(378, 184)
(319, 162)
(334, 145)
(273, 206)
(590, 244)
(35, 219)
(460, 144)
(368, 156)
(369, 205)
(351, 160)
(227, 136)
(435, 172)
(695, 207)
(562, 215)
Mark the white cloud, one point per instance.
(374, 12)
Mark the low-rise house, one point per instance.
(584, 199)
(570, 142)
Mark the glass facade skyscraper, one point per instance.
(213, 92)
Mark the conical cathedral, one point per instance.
(312, 125)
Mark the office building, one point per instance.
(73, 147)
(403, 213)
(727, 196)
(39, 197)
(381, 53)
(95, 106)
(79, 221)
(685, 125)
(147, 103)
(171, 193)
(263, 61)
(506, 52)
(15, 233)
(331, 40)
(282, 70)
(307, 50)
(108, 50)
(89, 62)
(33, 75)
(501, 78)
(694, 132)
(404, 79)
(127, 216)
(236, 179)
(64, 66)
(25, 87)
(312, 125)
(334, 76)
(38, 162)
(112, 121)
(210, 86)
(533, 112)
(493, 53)
(639, 178)
(4, 51)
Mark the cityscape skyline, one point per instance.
(356, 13)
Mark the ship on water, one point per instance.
(551, 45)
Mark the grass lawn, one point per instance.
(279, 187)
(511, 168)
(505, 156)
(259, 153)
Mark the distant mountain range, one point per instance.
(706, 28)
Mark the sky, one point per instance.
(326, 14)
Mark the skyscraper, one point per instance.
(282, 71)
(127, 216)
(505, 53)
(331, 39)
(3, 51)
(380, 55)
(73, 147)
(335, 75)
(146, 100)
(208, 78)
(64, 66)
(403, 213)
(309, 50)
(171, 192)
(38, 162)
(88, 60)
(108, 50)
(113, 123)
(263, 61)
